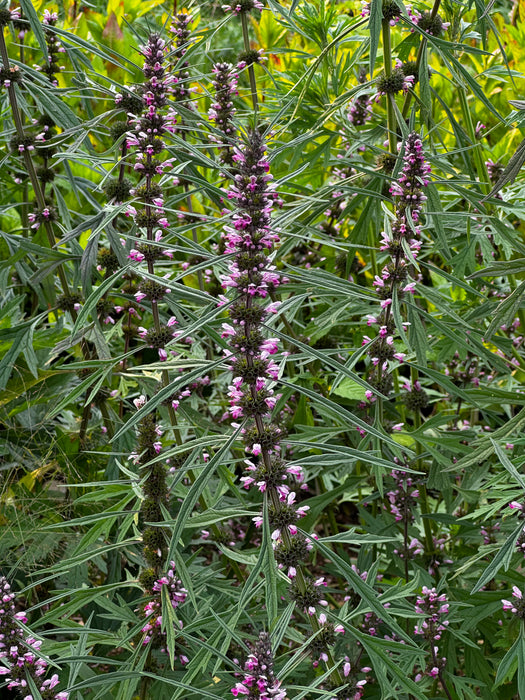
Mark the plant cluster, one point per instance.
(261, 331)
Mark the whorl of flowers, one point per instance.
(20, 657)
(54, 47)
(403, 497)
(404, 234)
(424, 20)
(259, 680)
(494, 169)
(517, 605)
(416, 397)
(360, 111)
(243, 6)
(435, 608)
(10, 75)
(396, 82)
(150, 126)
(181, 29)
(434, 667)
(413, 178)
(7, 16)
(324, 639)
(248, 58)
(252, 277)
(222, 110)
(355, 688)
(154, 488)
(152, 610)
(390, 9)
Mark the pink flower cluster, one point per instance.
(20, 656)
(403, 237)
(516, 606)
(432, 24)
(413, 177)
(177, 594)
(355, 688)
(54, 47)
(148, 130)
(259, 681)
(403, 497)
(434, 607)
(243, 6)
(151, 126)
(252, 277)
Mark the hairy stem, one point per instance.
(420, 52)
(390, 114)
(251, 72)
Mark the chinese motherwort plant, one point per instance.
(402, 244)
(252, 277)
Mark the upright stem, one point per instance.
(251, 72)
(423, 496)
(390, 114)
(421, 50)
(314, 622)
(39, 194)
(405, 545)
(194, 235)
(35, 182)
(440, 671)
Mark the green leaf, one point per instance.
(97, 377)
(195, 491)
(520, 479)
(342, 414)
(70, 562)
(350, 537)
(435, 211)
(326, 359)
(521, 665)
(52, 105)
(169, 623)
(394, 666)
(119, 676)
(350, 389)
(344, 454)
(204, 368)
(511, 171)
(211, 516)
(508, 665)
(506, 310)
(367, 594)
(375, 25)
(29, 11)
(502, 558)
(501, 268)
(92, 47)
(91, 302)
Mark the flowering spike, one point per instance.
(21, 655)
(222, 110)
(259, 679)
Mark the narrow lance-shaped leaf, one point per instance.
(511, 171)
